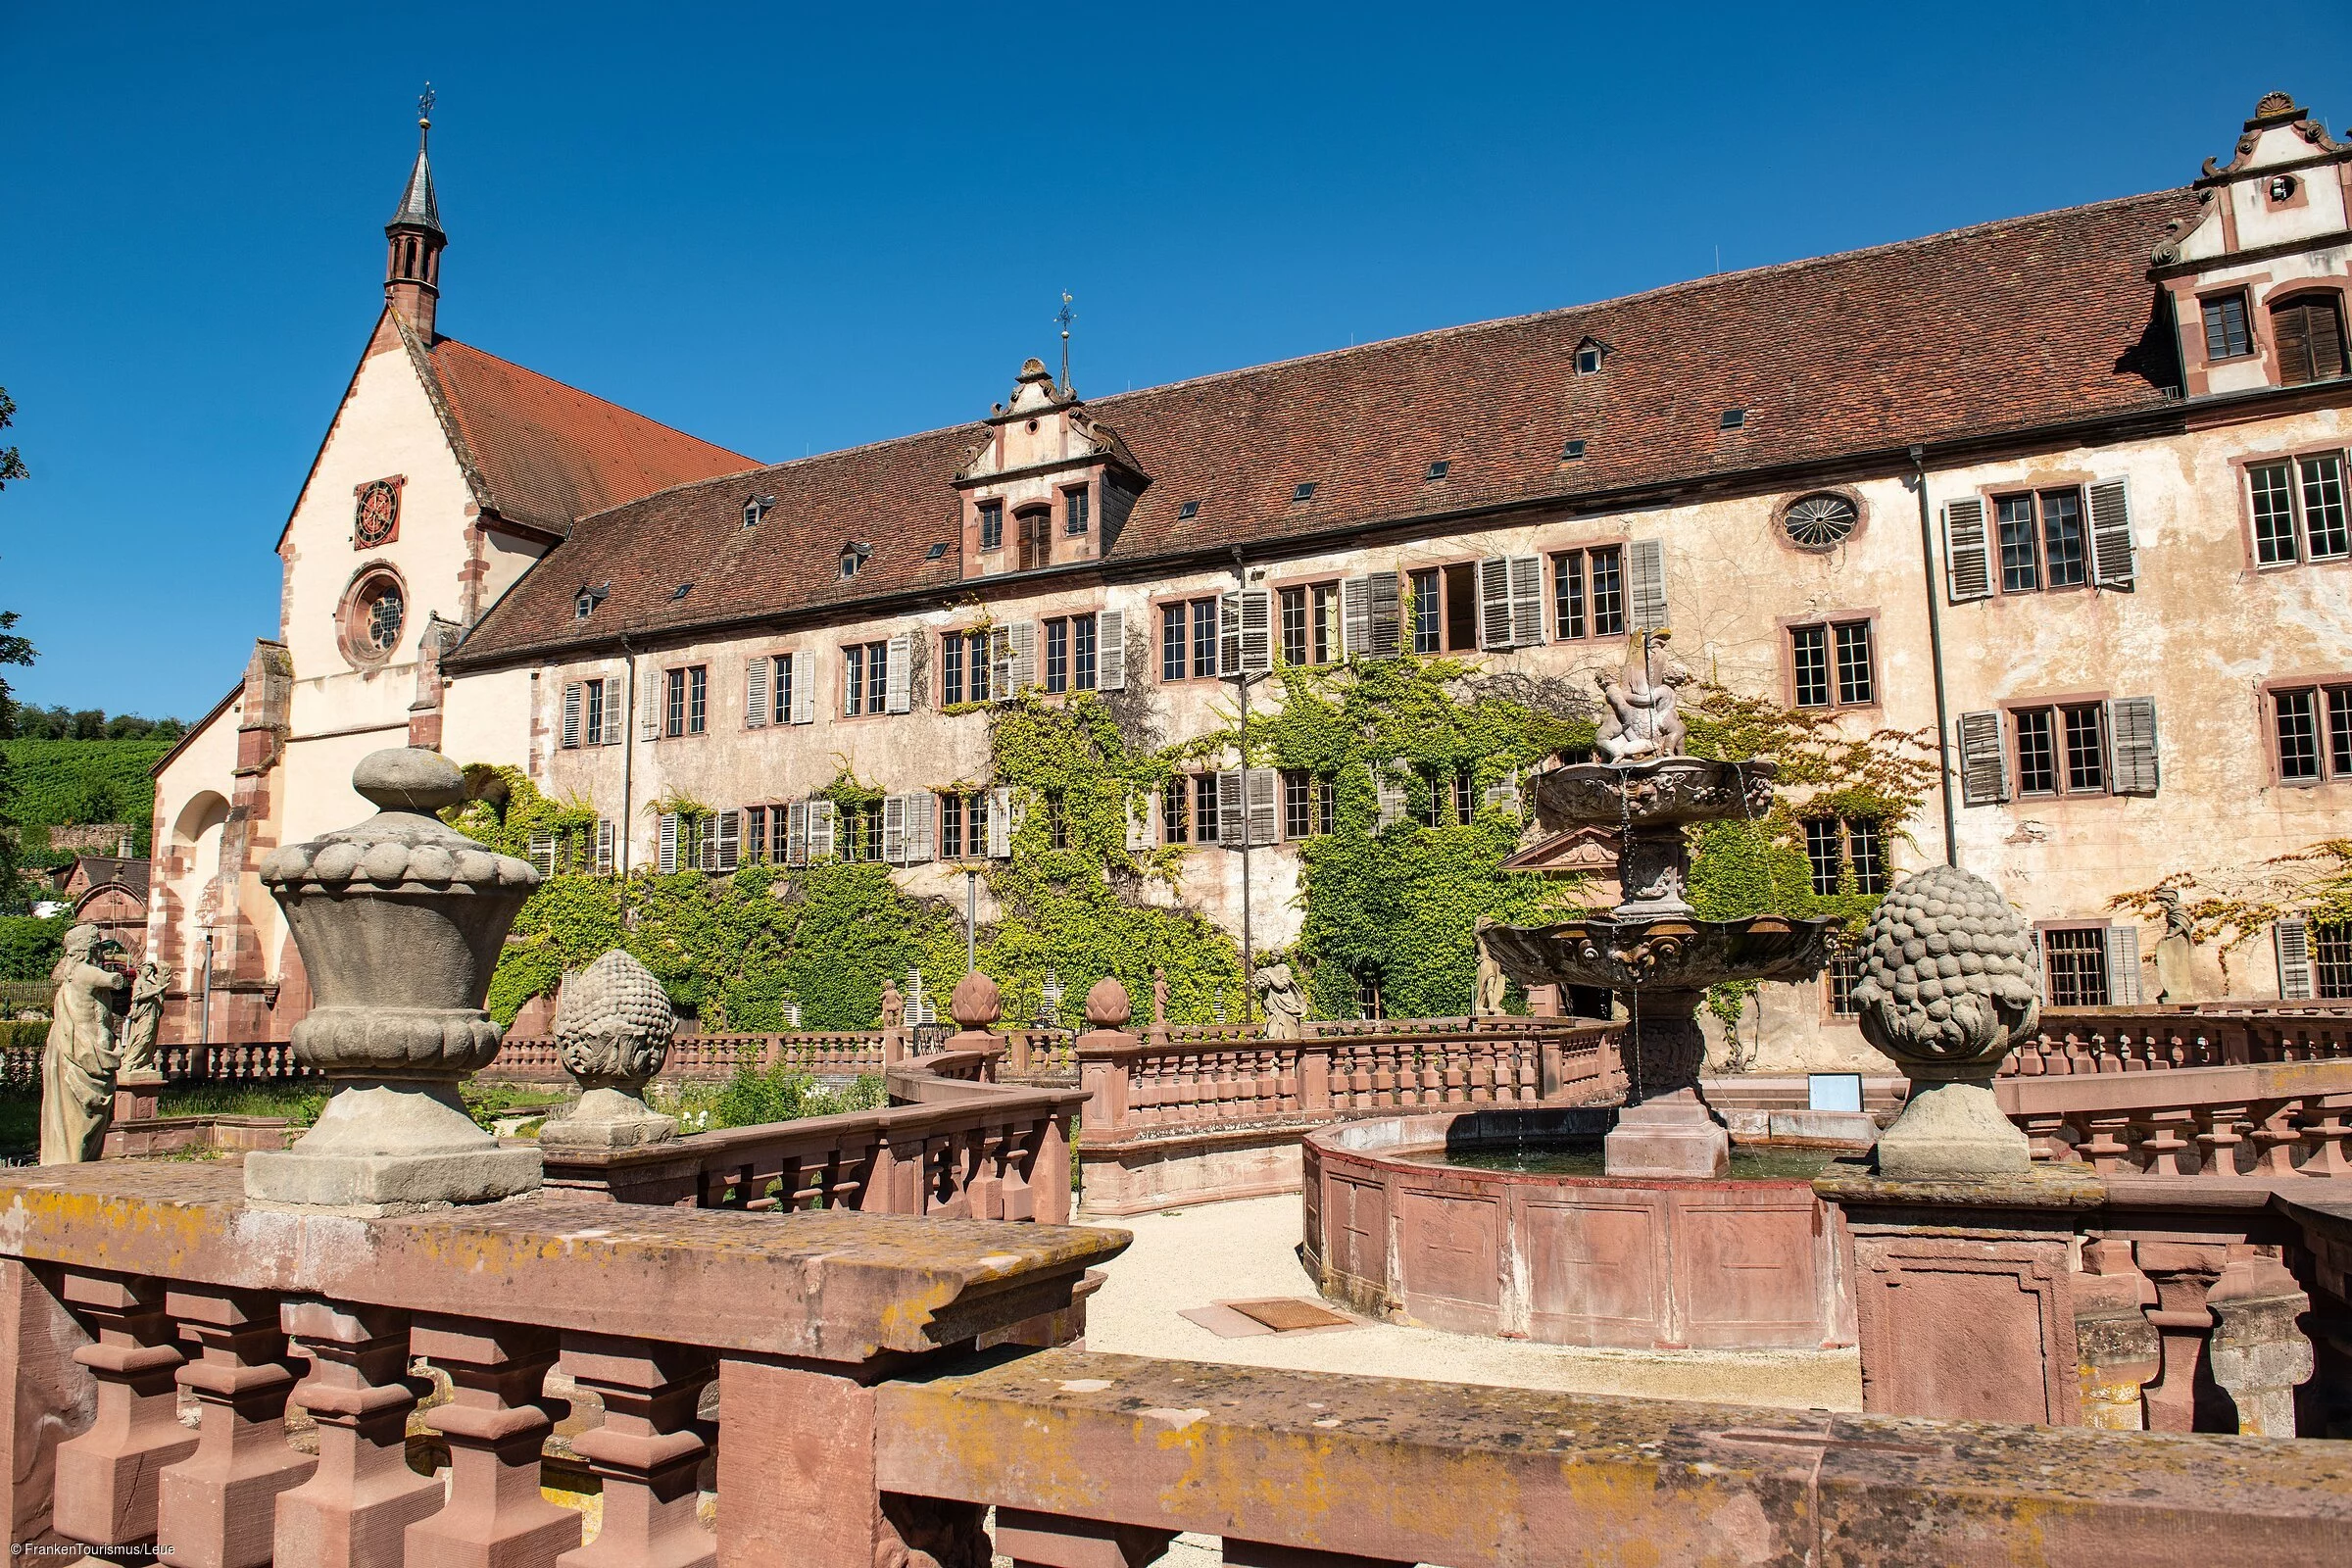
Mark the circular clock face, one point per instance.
(378, 514)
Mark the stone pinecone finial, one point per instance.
(1107, 1006)
(1948, 972)
(613, 1023)
(976, 1003)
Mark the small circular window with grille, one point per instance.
(1820, 522)
(374, 609)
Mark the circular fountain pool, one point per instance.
(1485, 1222)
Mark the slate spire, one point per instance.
(412, 261)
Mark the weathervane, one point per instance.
(424, 107)
(1065, 315)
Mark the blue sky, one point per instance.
(788, 230)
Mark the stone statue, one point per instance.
(1490, 994)
(1644, 698)
(1947, 987)
(2175, 950)
(1159, 996)
(145, 1023)
(894, 1006)
(78, 1072)
(613, 1024)
(1285, 1002)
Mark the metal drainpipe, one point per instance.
(1241, 681)
(628, 760)
(1943, 722)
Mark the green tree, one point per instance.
(14, 650)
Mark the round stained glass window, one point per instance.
(1820, 522)
(383, 618)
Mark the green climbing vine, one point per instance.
(2235, 904)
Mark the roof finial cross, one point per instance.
(1065, 315)
(425, 108)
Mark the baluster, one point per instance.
(2276, 1138)
(353, 1509)
(2160, 1140)
(649, 1453)
(495, 1425)
(219, 1506)
(2324, 1129)
(2104, 1147)
(2218, 1139)
(107, 1488)
(2041, 1132)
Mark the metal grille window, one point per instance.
(1608, 591)
(2313, 728)
(992, 524)
(1205, 807)
(2331, 959)
(2226, 335)
(2074, 964)
(1809, 653)
(1825, 850)
(1176, 811)
(1428, 608)
(1845, 970)
(2298, 510)
(1058, 822)
(1568, 595)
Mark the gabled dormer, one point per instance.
(2258, 282)
(1047, 485)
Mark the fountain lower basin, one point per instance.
(1398, 1227)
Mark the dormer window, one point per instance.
(1077, 510)
(583, 605)
(1589, 354)
(992, 524)
(756, 509)
(852, 557)
(2226, 335)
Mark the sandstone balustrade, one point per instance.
(2281, 1119)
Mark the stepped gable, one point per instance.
(543, 454)
(2006, 326)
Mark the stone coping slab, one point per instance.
(1479, 1477)
(830, 1286)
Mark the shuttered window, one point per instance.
(2298, 510)
(1245, 632)
(2313, 729)
(755, 693)
(1110, 655)
(897, 690)
(1967, 560)
(1035, 524)
(571, 717)
(1984, 759)
(1608, 591)
(992, 524)
(1077, 511)
(1646, 564)
(2291, 940)
(2308, 331)
(865, 678)
(1510, 601)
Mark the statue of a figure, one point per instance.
(1645, 702)
(77, 1073)
(894, 1006)
(1285, 1002)
(145, 1023)
(2176, 950)
(1159, 996)
(1488, 1001)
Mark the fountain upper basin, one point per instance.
(1668, 954)
(1666, 792)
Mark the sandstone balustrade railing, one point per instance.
(2254, 1119)
(953, 1146)
(860, 1416)
(2073, 1043)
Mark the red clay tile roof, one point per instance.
(544, 454)
(2008, 326)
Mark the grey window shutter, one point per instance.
(894, 830)
(1494, 602)
(999, 824)
(2293, 940)
(616, 718)
(1967, 560)
(571, 716)
(2122, 965)
(1139, 824)
(1505, 796)
(1983, 760)
(2112, 562)
(755, 693)
(804, 687)
(604, 847)
(822, 815)
(1020, 667)
(668, 857)
(1110, 651)
(707, 833)
(1228, 634)
(922, 818)
(1645, 564)
(543, 851)
(898, 685)
(1527, 601)
(650, 710)
(730, 841)
(1258, 630)
(796, 833)
(1355, 615)
(1392, 794)
(1000, 663)
(1265, 806)
(1232, 810)
(2131, 729)
(1386, 592)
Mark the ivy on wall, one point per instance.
(2235, 904)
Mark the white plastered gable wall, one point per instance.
(385, 428)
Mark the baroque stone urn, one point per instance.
(1947, 987)
(398, 921)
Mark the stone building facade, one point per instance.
(2066, 490)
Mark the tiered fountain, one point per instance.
(1499, 1222)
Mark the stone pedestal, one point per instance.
(1963, 1295)
(1666, 1128)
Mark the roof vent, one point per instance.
(1572, 450)
(1305, 492)
(936, 551)
(680, 591)
(1188, 511)
(1733, 419)
(1587, 360)
(1438, 470)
